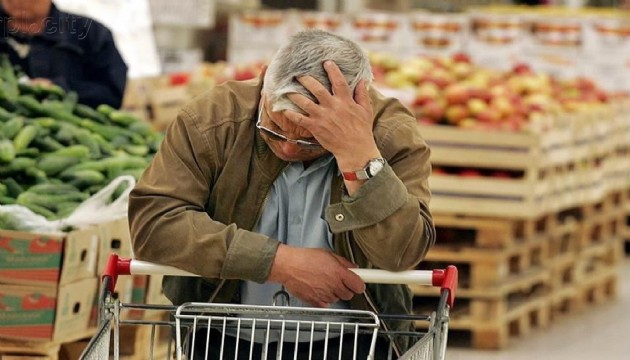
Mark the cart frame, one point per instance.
(279, 321)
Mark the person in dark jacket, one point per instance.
(74, 52)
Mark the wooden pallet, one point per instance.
(488, 232)
(596, 289)
(561, 168)
(485, 269)
(517, 319)
(44, 350)
(625, 231)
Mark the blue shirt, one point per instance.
(294, 214)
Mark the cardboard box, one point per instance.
(47, 259)
(166, 104)
(114, 238)
(44, 313)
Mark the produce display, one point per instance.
(450, 90)
(55, 152)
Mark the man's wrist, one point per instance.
(357, 161)
(276, 274)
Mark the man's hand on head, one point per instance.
(341, 121)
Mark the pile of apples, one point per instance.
(451, 90)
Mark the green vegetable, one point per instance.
(105, 109)
(13, 188)
(6, 200)
(37, 174)
(54, 164)
(28, 152)
(86, 139)
(47, 143)
(24, 137)
(87, 112)
(84, 178)
(74, 151)
(12, 127)
(7, 151)
(19, 164)
(122, 118)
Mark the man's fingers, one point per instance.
(353, 282)
(344, 294)
(345, 262)
(362, 96)
(337, 80)
(298, 119)
(316, 88)
(303, 103)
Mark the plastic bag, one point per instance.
(18, 217)
(96, 209)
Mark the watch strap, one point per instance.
(355, 175)
(363, 174)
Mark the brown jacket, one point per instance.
(196, 203)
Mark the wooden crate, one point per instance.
(562, 167)
(490, 321)
(489, 232)
(10, 349)
(485, 269)
(40, 350)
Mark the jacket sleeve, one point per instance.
(105, 71)
(388, 217)
(168, 219)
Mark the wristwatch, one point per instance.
(369, 171)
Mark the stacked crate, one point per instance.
(537, 244)
(47, 284)
(49, 287)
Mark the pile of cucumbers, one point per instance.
(55, 152)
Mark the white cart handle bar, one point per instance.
(446, 279)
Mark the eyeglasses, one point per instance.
(274, 136)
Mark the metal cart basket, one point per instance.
(270, 332)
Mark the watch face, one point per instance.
(375, 167)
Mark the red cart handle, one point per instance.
(115, 266)
(446, 279)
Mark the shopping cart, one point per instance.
(269, 331)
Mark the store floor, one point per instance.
(598, 332)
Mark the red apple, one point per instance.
(433, 109)
(475, 106)
(468, 123)
(502, 105)
(480, 93)
(489, 116)
(522, 68)
(456, 94)
(456, 113)
(461, 57)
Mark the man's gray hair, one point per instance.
(305, 54)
